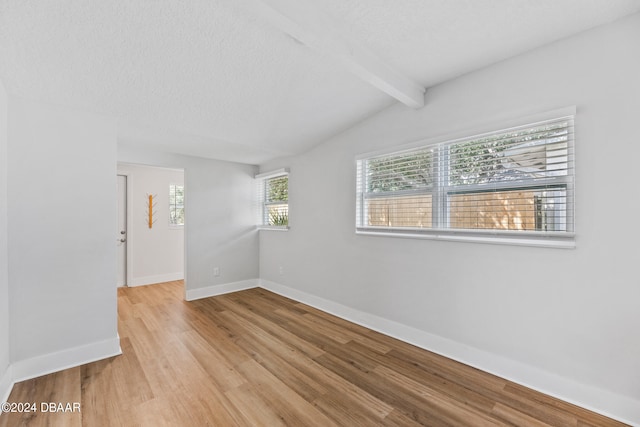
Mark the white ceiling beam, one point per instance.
(303, 22)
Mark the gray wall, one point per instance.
(570, 313)
(219, 221)
(61, 193)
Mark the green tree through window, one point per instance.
(277, 201)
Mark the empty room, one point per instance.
(319, 213)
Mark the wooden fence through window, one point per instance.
(507, 210)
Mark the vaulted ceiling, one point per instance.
(250, 80)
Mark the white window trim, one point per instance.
(273, 227)
(272, 174)
(565, 240)
(549, 240)
(262, 178)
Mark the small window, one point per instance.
(505, 185)
(176, 205)
(273, 194)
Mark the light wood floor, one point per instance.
(253, 358)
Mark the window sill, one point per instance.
(273, 227)
(547, 240)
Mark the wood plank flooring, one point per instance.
(253, 358)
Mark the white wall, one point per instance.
(62, 257)
(157, 253)
(5, 379)
(567, 319)
(219, 221)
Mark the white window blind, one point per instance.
(508, 184)
(273, 199)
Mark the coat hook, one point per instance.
(151, 205)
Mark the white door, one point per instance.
(121, 238)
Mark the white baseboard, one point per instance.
(211, 291)
(158, 278)
(65, 359)
(604, 402)
(6, 385)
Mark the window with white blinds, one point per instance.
(273, 199)
(515, 185)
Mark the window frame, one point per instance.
(441, 190)
(263, 203)
(174, 206)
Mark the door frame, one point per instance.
(128, 244)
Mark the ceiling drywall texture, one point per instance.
(432, 41)
(214, 78)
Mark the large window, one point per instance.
(176, 205)
(513, 185)
(273, 193)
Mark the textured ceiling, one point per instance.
(217, 78)
(435, 40)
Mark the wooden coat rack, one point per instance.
(151, 204)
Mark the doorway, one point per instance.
(151, 222)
